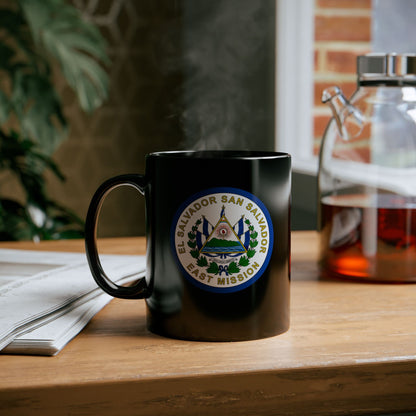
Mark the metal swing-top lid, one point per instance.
(388, 68)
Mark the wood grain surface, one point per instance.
(351, 350)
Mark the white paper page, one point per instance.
(57, 329)
(59, 279)
(50, 338)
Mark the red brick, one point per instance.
(353, 151)
(319, 125)
(344, 4)
(365, 133)
(347, 151)
(316, 59)
(342, 62)
(343, 28)
(356, 148)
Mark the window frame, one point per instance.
(294, 83)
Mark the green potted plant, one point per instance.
(37, 38)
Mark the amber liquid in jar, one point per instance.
(370, 238)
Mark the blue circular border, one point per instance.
(220, 190)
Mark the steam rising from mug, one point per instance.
(227, 66)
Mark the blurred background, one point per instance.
(210, 74)
(184, 74)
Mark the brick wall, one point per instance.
(342, 32)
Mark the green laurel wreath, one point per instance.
(213, 267)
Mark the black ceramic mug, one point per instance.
(218, 244)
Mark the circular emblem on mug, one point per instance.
(223, 239)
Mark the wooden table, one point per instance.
(351, 349)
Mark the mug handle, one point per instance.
(140, 289)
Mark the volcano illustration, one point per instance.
(223, 240)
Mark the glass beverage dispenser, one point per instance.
(367, 174)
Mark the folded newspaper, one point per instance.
(46, 298)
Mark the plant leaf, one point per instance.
(194, 253)
(213, 268)
(38, 108)
(244, 261)
(60, 30)
(4, 107)
(202, 262)
(233, 268)
(192, 244)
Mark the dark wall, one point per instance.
(184, 74)
(304, 202)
